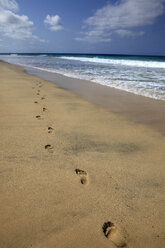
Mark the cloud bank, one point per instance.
(121, 18)
(54, 22)
(13, 25)
(9, 4)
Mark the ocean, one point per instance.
(141, 75)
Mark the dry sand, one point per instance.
(74, 174)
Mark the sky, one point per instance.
(83, 26)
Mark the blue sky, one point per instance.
(83, 26)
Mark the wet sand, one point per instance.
(73, 173)
(136, 108)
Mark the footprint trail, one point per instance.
(39, 117)
(83, 176)
(49, 148)
(50, 129)
(112, 233)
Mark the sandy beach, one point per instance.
(74, 174)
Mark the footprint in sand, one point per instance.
(50, 129)
(83, 176)
(49, 148)
(112, 233)
(39, 117)
(42, 98)
(35, 102)
(38, 94)
(44, 109)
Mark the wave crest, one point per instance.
(122, 62)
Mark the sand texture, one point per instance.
(74, 174)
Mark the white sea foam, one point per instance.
(13, 55)
(135, 63)
(42, 55)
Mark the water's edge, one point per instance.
(137, 108)
(138, 75)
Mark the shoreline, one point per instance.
(71, 170)
(141, 109)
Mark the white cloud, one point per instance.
(54, 22)
(122, 16)
(9, 4)
(95, 36)
(13, 25)
(128, 33)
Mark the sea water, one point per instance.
(142, 75)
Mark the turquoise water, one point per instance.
(142, 75)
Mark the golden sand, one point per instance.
(74, 174)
